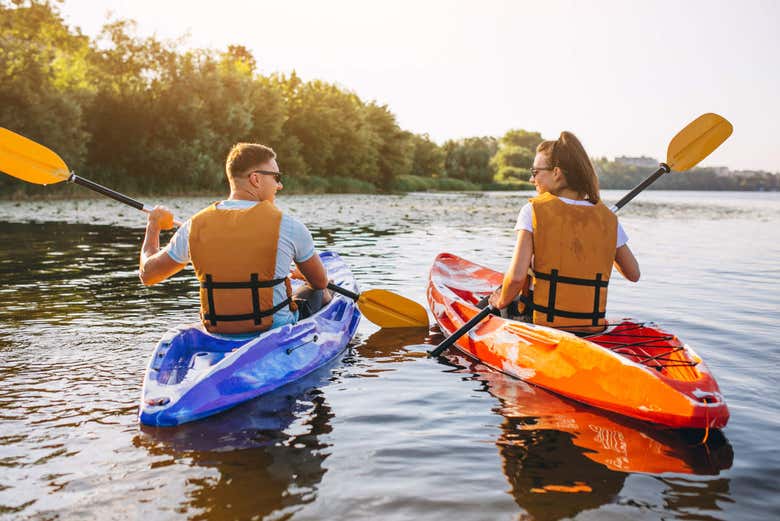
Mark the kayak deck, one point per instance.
(633, 368)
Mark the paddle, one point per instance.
(385, 308)
(32, 162)
(692, 144)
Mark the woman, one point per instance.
(570, 238)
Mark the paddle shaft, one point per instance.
(107, 192)
(122, 198)
(345, 292)
(663, 169)
(465, 328)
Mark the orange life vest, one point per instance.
(234, 256)
(574, 249)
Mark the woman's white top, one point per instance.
(525, 219)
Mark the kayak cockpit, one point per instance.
(647, 344)
(189, 353)
(642, 342)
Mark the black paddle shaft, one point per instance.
(345, 292)
(106, 191)
(663, 169)
(465, 328)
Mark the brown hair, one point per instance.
(244, 156)
(568, 154)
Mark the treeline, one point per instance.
(149, 116)
(622, 176)
(145, 115)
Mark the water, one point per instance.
(383, 432)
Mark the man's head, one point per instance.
(251, 169)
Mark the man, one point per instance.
(242, 249)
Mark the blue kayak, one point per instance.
(193, 374)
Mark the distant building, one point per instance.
(641, 162)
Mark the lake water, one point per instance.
(384, 432)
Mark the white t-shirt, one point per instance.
(295, 243)
(525, 219)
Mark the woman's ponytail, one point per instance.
(568, 154)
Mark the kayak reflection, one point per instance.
(618, 443)
(562, 457)
(267, 451)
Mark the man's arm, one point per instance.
(314, 271)
(155, 265)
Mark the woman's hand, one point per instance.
(160, 218)
(495, 299)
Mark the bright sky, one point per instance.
(624, 76)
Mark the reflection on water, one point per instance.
(267, 453)
(384, 432)
(562, 457)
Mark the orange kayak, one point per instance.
(632, 368)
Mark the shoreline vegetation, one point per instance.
(151, 117)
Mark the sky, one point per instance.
(625, 76)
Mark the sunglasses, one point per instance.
(277, 175)
(535, 171)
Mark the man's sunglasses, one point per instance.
(277, 175)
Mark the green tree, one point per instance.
(522, 138)
(427, 156)
(469, 159)
(392, 145)
(44, 78)
(515, 155)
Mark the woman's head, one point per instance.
(563, 163)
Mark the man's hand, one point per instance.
(295, 273)
(160, 218)
(156, 265)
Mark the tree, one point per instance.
(392, 144)
(44, 78)
(469, 159)
(427, 156)
(515, 155)
(522, 138)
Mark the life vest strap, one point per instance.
(571, 314)
(248, 316)
(253, 284)
(598, 282)
(554, 279)
(208, 283)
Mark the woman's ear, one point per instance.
(559, 179)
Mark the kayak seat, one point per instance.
(190, 349)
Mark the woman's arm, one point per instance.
(626, 263)
(517, 273)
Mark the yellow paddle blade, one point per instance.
(29, 161)
(387, 309)
(697, 141)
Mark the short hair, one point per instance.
(244, 156)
